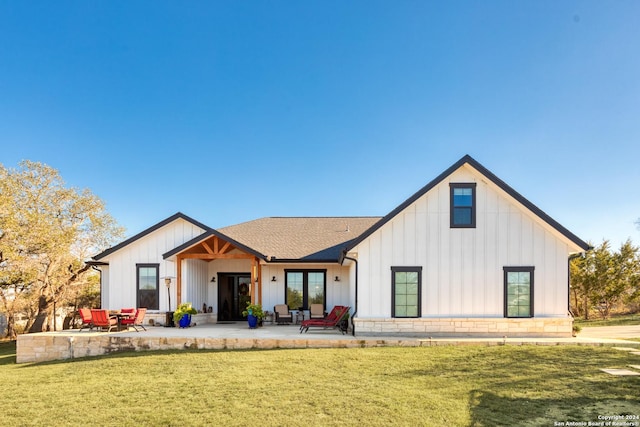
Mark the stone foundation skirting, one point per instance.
(552, 327)
(47, 347)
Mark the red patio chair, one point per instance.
(333, 320)
(102, 320)
(85, 316)
(136, 320)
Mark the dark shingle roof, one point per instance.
(306, 239)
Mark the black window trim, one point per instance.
(305, 284)
(472, 186)
(409, 269)
(515, 269)
(147, 265)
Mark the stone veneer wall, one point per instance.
(44, 347)
(488, 327)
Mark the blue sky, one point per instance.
(232, 111)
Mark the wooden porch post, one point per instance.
(178, 280)
(253, 281)
(259, 281)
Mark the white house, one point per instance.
(466, 254)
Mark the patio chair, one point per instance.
(283, 315)
(316, 311)
(135, 321)
(102, 320)
(85, 316)
(335, 319)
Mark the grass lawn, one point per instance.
(437, 386)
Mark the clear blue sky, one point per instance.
(231, 111)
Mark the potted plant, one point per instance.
(254, 314)
(182, 315)
(576, 330)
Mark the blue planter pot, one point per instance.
(185, 321)
(253, 321)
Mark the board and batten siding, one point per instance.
(121, 277)
(195, 280)
(462, 268)
(338, 293)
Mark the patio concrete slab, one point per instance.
(619, 332)
(621, 372)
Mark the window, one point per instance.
(406, 291)
(305, 287)
(148, 293)
(463, 205)
(518, 291)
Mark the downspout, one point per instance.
(355, 311)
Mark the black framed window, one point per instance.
(406, 291)
(518, 291)
(463, 205)
(147, 286)
(305, 287)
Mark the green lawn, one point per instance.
(437, 386)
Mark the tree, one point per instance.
(588, 272)
(621, 278)
(604, 279)
(47, 231)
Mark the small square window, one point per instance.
(463, 205)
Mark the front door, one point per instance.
(234, 291)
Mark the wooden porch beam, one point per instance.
(216, 256)
(207, 248)
(224, 249)
(215, 244)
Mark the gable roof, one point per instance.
(299, 239)
(204, 236)
(178, 215)
(491, 177)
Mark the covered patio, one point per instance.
(235, 266)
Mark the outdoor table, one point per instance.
(121, 316)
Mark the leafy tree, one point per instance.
(588, 272)
(47, 230)
(604, 279)
(622, 278)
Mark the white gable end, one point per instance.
(462, 268)
(148, 249)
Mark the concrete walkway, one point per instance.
(608, 332)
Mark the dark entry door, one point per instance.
(234, 290)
